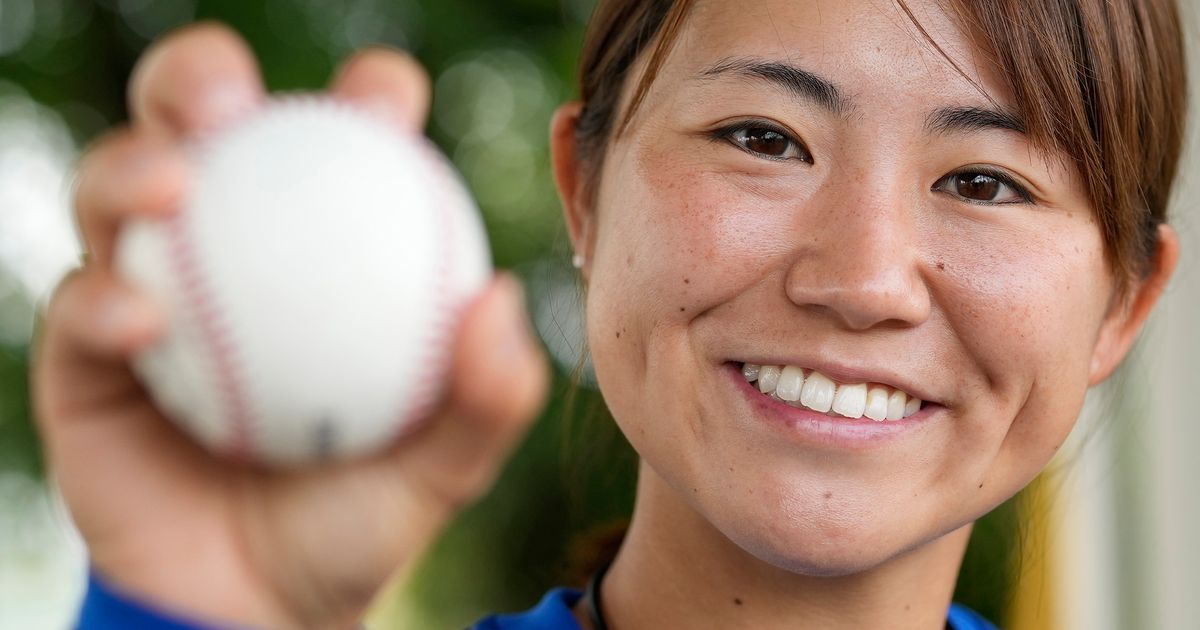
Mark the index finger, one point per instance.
(194, 79)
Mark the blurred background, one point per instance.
(1105, 540)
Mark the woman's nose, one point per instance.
(858, 259)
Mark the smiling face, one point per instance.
(810, 184)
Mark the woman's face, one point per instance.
(810, 184)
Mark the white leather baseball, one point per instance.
(313, 279)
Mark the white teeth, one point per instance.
(913, 406)
(768, 378)
(791, 379)
(818, 392)
(750, 371)
(851, 400)
(896, 404)
(877, 403)
(788, 384)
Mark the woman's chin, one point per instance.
(821, 543)
(816, 556)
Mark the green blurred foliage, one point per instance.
(499, 69)
(18, 442)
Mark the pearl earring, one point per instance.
(577, 261)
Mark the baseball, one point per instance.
(313, 280)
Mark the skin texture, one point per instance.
(697, 254)
(859, 263)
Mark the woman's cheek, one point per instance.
(692, 238)
(671, 244)
(1025, 304)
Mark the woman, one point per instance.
(851, 268)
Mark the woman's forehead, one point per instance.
(869, 50)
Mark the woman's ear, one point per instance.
(564, 153)
(1126, 317)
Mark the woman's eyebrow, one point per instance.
(800, 82)
(968, 119)
(812, 87)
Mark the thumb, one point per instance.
(498, 384)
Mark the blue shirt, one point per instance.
(105, 609)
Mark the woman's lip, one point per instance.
(820, 429)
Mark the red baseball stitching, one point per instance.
(426, 393)
(214, 331)
(218, 339)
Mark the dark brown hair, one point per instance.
(1102, 82)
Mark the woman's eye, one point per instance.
(765, 141)
(984, 188)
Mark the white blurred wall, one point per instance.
(1173, 430)
(1171, 473)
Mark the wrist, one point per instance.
(191, 597)
(105, 607)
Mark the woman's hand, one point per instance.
(163, 519)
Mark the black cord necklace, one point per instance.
(592, 598)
